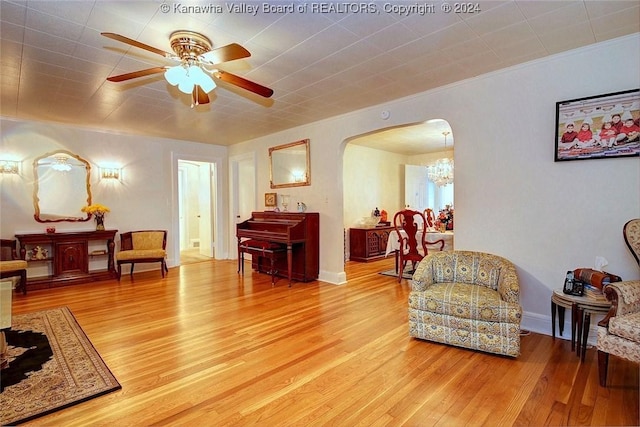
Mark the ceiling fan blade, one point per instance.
(199, 96)
(136, 43)
(136, 74)
(226, 53)
(244, 83)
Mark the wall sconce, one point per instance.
(9, 166)
(110, 173)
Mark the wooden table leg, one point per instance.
(585, 334)
(580, 318)
(553, 319)
(289, 261)
(574, 322)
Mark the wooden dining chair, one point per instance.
(407, 225)
(430, 218)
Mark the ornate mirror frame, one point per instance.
(290, 165)
(59, 193)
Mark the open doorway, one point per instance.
(196, 207)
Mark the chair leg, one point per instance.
(603, 362)
(23, 281)
(119, 271)
(162, 268)
(131, 271)
(401, 270)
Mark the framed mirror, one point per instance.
(290, 164)
(61, 187)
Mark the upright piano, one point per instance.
(298, 232)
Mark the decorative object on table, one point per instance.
(271, 200)
(369, 221)
(36, 381)
(598, 127)
(441, 172)
(384, 216)
(302, 207)
(445, 218)
(51, 230)
(98, 211)
(285, 201)
(376, 212)
(39, 253)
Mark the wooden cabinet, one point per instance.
(69, 255)
(368, 244)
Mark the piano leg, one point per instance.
(289, 261)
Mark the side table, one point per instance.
(581, 310)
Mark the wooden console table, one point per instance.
(69, 255)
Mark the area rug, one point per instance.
(52, 365)
(407, 274)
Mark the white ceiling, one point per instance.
(54, 61)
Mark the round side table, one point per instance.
(581, 310)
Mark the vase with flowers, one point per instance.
(98, 211)
(445, 218)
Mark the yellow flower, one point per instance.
(95, 208)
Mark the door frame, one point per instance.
(234, 192)
(218, 223)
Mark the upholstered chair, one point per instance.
(467, 299)
(619, 331)
(142, 246)
(11, 265)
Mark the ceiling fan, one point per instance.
(196, 72)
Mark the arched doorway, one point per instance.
(387, 169)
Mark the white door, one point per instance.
(415, 187)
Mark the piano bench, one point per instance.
(264, 249)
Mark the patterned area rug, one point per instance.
(407, 274)
(52, 365)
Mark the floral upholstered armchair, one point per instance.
(619, 331)
(467, 299)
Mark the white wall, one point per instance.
(145, 199)
(511, 198)
(372, 178)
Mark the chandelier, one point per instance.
(441, 173)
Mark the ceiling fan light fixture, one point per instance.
(175, 75)
(186, 85)
(207, 84)
(200, 78)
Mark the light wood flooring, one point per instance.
(205, 347)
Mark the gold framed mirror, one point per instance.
(61, 187)
(290, 164)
